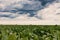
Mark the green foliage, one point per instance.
(29, 32)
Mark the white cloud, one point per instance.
(48, 14)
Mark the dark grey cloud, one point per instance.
(24, 7)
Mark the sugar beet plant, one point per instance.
(29, 32)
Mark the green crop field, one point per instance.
(29, 32)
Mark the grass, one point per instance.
(29, 32)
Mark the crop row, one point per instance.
(29, 32)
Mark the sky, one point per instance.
(33, 11)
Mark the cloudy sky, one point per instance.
(33, 11)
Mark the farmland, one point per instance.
(29, 32)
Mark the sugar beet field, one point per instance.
(29, 32)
